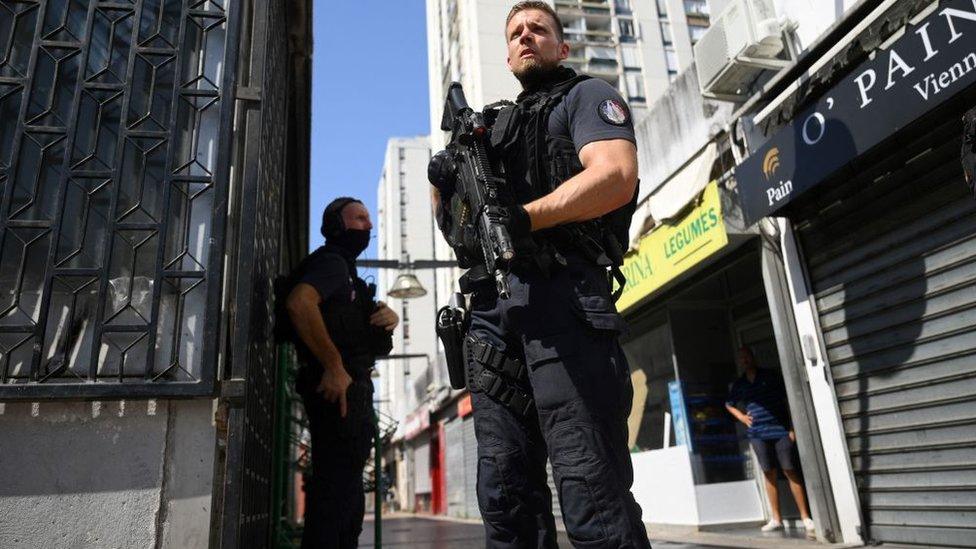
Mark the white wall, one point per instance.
(664, 486)
(729, 502)
(106, 474)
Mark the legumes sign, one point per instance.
(932, 60)
(672, 249)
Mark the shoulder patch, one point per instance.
(612, 112)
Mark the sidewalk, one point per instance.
(741, 537)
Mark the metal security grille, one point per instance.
(262, 123)
(113, 171)
(892, 260)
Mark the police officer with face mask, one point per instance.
(546, 372)
(338, 330)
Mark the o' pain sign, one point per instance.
(933, 59)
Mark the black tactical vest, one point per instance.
(346, 318)
(520, 135)
(347, 321)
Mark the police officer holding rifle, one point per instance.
(535, 197)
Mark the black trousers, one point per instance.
(334, 498)
(564, 327)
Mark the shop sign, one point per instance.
(417, 422)
(672, 249)
(464, 405)
(933, 60)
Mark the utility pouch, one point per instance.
(452, 325)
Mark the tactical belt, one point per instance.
(490, 371)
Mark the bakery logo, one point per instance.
(780, 190)
(770, 163)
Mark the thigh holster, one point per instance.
(489, 371)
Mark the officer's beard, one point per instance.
(534, 73)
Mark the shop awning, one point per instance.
(667, 201)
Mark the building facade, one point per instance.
(154, 185)
(836, 242)
(861, 187)
(406, 232)
(637, 47)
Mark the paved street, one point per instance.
(416, 532)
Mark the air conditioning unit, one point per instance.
(743, 40)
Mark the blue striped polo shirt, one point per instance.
(765, 401)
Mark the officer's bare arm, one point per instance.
(303, 309)
(606, 183)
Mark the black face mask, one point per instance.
(353, 241)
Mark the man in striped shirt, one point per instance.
(770, 432)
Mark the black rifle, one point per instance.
(477, 235)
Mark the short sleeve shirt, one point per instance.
(331, 276)
(328, 273)
(593, 110)
(765, 401)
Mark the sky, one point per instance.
(369, 83)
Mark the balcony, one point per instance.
(577, 36)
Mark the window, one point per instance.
(626, 27)
(666, 37)
(662, 8)
(623, 6)
(601, 53)
(696, 7)
(696, 32)
(77, 322)
(630, 56)
(635, 86)
(671, 58)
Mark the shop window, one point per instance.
(652, 369)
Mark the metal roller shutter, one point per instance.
(470, 468)
(421, 465)
(893, 269)
(454, 438)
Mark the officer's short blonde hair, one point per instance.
(535, 5)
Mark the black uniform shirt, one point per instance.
(329, 273)
(592, 111)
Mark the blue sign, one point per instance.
(931, 62)
(679, 415)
